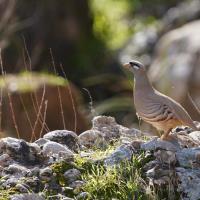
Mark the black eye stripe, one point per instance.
(134, 64)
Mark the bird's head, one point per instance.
(135, 67)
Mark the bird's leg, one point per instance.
(165, 135)
(139, 121)
(159, 133)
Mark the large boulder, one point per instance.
(175, 70)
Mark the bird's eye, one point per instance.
(131, 63)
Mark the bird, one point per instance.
(155, 108)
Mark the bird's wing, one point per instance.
(156, 111)
(178, 111)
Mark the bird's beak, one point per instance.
(127, 66)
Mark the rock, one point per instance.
(76, 185)
(41, 141)
(186, 141)
(150, 165)
(68, 138)
(34, 183)
(22, 188)
(82, 196)
(107, 126)
(175, 69)
(131, 133)
(157, 172)
(92, 138)
(5, 160)
(188, 183)
(195, 136)
(156, 143)
(53, 186)
(34, 153)
(167, 157)
(72, 175)
(10, 182)
(184, 12)
(20, 150)
(189, 157)
(136, 144)
(122, 153)
(16, 170)
(65, 156)
(34, 172)
(51, 148)
(26, 197)
(59, 197)
(46, 174)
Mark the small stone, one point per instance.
(151, 164)
(195, 136)
(51, 148)
(22, 188)
(20, 150)
(156, 143)
(72, 175)
(188, 183)
(26, 197)
(33, 183)
(82, 196)
(17, 170)
(58, 197)
(91, 138)
(157, 172)
(107, 126)
(34, 172)
(189, 157)
(186, 141)
(168, 157)
(46, 174)
(136, 144)
(5, 160)
(41, 141)
(124, 152)
(10, 182)
(65, 137)
(77, 184)
(65, 156)
(131, 133)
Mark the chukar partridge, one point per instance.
(154, 107)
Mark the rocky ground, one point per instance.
(108, 161)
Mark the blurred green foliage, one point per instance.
(111, 22)
(116, 20)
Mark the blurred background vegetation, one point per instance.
(90, 39)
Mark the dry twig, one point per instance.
(59, 93)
